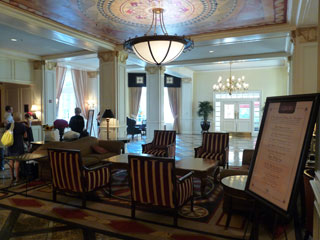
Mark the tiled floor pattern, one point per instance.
(16, 225)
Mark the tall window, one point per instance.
(168, 118)
(142, 113)
(67, 101)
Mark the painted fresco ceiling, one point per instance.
(118, 20)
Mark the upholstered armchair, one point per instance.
(161, 188)
(69, 175)
(162, 145)
(214, 146)
(132, 128)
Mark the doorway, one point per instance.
(238, 113)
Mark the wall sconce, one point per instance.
(91, 104)
(35, 109)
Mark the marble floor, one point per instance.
(185, 145)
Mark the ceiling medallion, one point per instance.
(158, 49)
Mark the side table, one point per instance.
(235, 199)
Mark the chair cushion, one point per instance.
(98, 149)
(156, 152)
(210, 155)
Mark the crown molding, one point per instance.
(243, 32)
(50, 29)
(20, 55)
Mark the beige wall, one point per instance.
(270, 81)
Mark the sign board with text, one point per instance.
(281, 150)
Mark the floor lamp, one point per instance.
(107, 115)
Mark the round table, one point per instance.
(235, 199)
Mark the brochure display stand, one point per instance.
(275, 176)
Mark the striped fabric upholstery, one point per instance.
(65, 170)
(152, 182)
(164, 138)
(210, 155)
(215, 142)
(184, 191)
(157, 152)
(97, 178)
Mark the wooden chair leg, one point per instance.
(192, 204)
(133, 210)
(229, 215)
(54, 195)
(175, 217)
(83, 195)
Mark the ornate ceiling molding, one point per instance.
(307, 34)
(111, 56)
(154, 69)
(37, 65)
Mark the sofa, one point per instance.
(86, 145)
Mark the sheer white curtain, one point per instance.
(60, 77)
(80, 80)
(135, 96)
(174, 96)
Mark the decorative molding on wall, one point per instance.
(92, 74)
(154, 69)
(50, 65)
(37, 65)
(308, 34)
(110, 55)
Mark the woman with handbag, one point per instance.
(18, 146)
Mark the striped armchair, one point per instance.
(69, 175)
(162, 145)
(214, 146)
(153, 182)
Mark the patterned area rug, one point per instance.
(111, 215)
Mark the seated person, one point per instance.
(77, 122)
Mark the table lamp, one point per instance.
(107, 115)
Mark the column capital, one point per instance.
(154, 69)
(50, 65)
(37, 64)
(109, 56)
(307, 34)
(92, 74)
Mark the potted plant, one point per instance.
(204, 109)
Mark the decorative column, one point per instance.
(37, 86)
(93, 98)
(304, 65)
(112, 69)
(155, 99)
(186, 111)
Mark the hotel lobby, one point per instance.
(59, 55)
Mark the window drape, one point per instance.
(135, 96)
(80, 80)
(174, 96)
(60, 77)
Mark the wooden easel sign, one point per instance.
(281, 150)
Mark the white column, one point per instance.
(93, 98)
(186, 106)
(155, 100)
(112, 80)
(304, 66)
(49, 93)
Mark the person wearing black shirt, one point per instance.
(77, 122)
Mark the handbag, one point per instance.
(7, 138)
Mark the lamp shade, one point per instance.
(108, 114)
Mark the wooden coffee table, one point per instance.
(202, 168)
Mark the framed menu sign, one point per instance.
(282, 149)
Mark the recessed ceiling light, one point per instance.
(14, 40)
(211, 51)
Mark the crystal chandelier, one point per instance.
(158, 49)
(231, 84)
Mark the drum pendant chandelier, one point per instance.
(158, 49)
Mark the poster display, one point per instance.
(281, 150)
